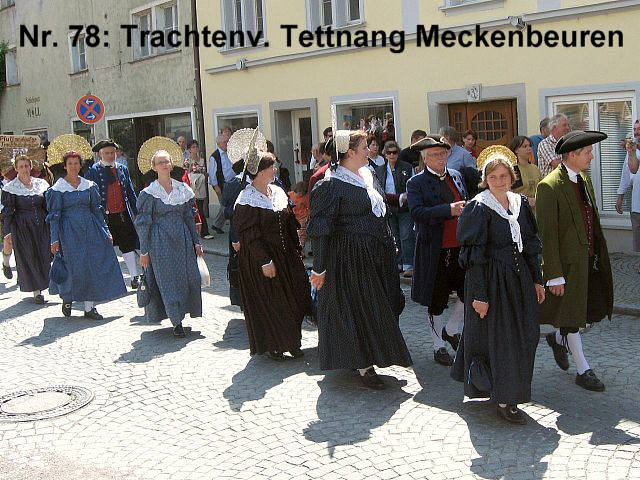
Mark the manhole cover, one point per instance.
(41, 403)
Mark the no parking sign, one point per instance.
(90, 109)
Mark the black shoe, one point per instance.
(66, 309)
(39, 299)
(370, 379)
(7, 272)
(296, 353)
(589, 381)
(454, 340)
(178, 331)
(512, 414)
(559, 352)
(93, 314)
(442, 357)
(217, 230)
(135, 282)
(277, 356)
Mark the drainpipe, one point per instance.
(199, 108)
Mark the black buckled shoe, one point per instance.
(7, 271)
(93, 314)
(512, 414)
(454, 340)
(39, 300)
(559, 352)
(370, 379)
(589, 381)
(178, 331)
(296, 353)
(66, 309)
(442, 357)
(135, 282)
(277, 356)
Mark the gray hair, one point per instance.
(544, 123)
(389, 144)
(449, 132)
(220, 137)
(555, 120)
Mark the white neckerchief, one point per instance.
(110, 165)
(63, 186)
(363, 179)
(16, 187)
(180, 193)
(440, 177)
(573, 176)
(252, 197)
(515, 201)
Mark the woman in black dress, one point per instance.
(275, 289)
(25, 230)
(500, 250)
(354, 267)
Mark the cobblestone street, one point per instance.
(201, 407)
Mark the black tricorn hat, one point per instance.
(105, 143)
(578, 139)
(430, 141)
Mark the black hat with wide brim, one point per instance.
(430, 141)
(578, 139)
(105, 143)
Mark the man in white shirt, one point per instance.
(631, 176)
(220, 172)
(548, 159)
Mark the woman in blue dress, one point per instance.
(169, 244)
(79, 232)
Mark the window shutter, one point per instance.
(227, 15)
(11, 68)
(340, 14)
(313, 14)
(249, 15)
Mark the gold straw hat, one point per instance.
(151, 146)
(493, 152)
(66, 143)
(245, 144)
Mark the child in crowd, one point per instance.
(300, 197)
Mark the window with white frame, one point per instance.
(334, 13)
(162, 16)
(236, 121)
(612, 114)
(374, 116)
(78, 53)
(11, 68)
(6, 3)
(244, 15)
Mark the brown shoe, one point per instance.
(370, 379)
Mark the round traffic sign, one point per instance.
(90, 109)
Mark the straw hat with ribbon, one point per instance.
(495, 151)
(151, 146)
(247, 144)
(66, 143)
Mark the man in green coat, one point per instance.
(575, 260)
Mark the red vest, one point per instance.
(449, 239)
(587, 216)
(115, 199)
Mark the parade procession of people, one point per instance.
(514, 261)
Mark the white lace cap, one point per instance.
(341, 140)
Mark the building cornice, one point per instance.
(530, 18)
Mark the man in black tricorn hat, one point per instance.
(436, 198)
(575, 260)
(118, 202)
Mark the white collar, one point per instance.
(440, 176)
(16, 187)
(363, 179)
(252, 197)
(515, 202)
(110, 165)
(573, 176)
(63, 186)
(180, 192)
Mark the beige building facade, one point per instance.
(294, 92)
(146, 91)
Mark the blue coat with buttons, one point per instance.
(98, 175)
(429, 212)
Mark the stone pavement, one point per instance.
(202, 408)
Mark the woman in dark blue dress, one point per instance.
(79, 232)
(499, 250)
(25, 230)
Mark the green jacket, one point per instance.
(565, 250)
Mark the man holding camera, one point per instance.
(630, 176)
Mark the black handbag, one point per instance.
(58, 272)
(479, 375)
(142, 294)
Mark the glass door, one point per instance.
(302, 143)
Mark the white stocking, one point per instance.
(456, 319)
(575, 346)
(5, 259)
(130, 260)
(88, 306)
(436, 332)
